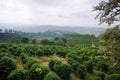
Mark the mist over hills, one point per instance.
(53, 28)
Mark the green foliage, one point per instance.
(25, 40)
(51, 76)
(62, 52)
(34, 41)
(97, 78)
(89, 66)
(61, 41)
(103, 66)
(48, 51)
(109, 44)
(6, 66)
(83, 41)
(90, 76)
(30, 50)
(23, 57)
(79, 61)
(4, 55)
(56, 38)
(38, 72)
(39, 52)
(18, 74)
(108, 11)
(81, 71)
(113, 77)
(101, 75)
(16, 39)
(2, 45)
(73, 60)
(30, 62)
(51, 64)
(46, 42)
(63, 70)
(7, 36)
(16, 51)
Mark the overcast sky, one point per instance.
(49, 12)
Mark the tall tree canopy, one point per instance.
(109, 12)
(110, 45)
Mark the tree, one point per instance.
(1, 30)
(6, 31)
(25, 40)
(110, 44)
(56, 38)
(109, 12)
(61, 42)
(16, 39)
(34, 41)
(47, 42)
(113, 77)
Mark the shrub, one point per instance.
(23, 57)
(73, 56)
(101, 75)
(113, 77)
(81, 71)
(2, 45)
(18, 74)
(61, 52)
(51, 76)
(97, 78)
(89, 66)
(3, 55)
(63, 70)
(39, 52)
(38, 72)
(3, 50)
(6, 66)
(51, 64)
(48, 51)
(30, 62)
(103, 66)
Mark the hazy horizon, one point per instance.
(48, 12)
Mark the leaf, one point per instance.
(98, 15)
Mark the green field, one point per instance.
(24, 57)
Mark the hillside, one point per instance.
(63, 29)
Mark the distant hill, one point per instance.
(82, 30)
(8, 36)
(43, 28)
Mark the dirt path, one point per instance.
(19, 63)
(74, 77)
(45, 60)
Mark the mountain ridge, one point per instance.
(44, 28)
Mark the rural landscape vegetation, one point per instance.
(64, 53)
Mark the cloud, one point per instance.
(48, 12)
